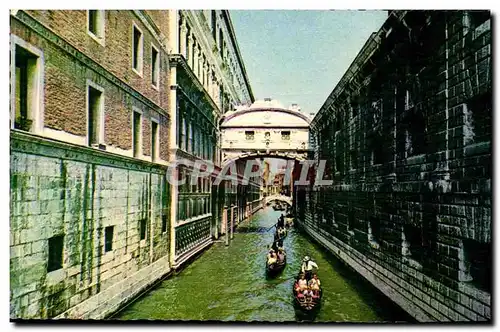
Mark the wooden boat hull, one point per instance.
(308, 305)
(276, 267)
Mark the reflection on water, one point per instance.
(230, 284)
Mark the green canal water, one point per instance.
(230, 284)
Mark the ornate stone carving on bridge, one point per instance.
(265, 129)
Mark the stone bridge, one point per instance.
(281, 198)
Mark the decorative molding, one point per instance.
(30, 144)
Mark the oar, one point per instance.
(267, 230)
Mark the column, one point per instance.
(182, 39)
(232, 221)
(172, 77)
(210, 81)
(224, 225)
(190, 49)
(205, 75)
(195, 58)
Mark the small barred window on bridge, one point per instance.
(108, 238)
(479, 261)
(143, 228)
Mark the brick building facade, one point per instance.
(407, 138)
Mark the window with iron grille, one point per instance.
(55, 257)
(108, 238)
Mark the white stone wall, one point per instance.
(235, 138)
(51, 196)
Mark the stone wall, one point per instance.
(75, 192)
(407, 138)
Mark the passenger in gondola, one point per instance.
(307, 267)
(315, 294)
(314, 283)
(281, 254)
(308, 293)
(302, 283)
(271, 257)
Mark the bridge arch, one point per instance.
(298, 156)
(281, 198)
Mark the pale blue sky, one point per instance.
(298, 56)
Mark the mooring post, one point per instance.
(232, 220)
(224, 222)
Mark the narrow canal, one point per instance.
(229, 284)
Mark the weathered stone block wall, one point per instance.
(61, 189)
(407, 138)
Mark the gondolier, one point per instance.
(281, 221)
(307, 267)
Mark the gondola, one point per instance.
(307, 305)
(278, 238)
(273, 269)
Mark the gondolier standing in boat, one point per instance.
(281, 221)
(307, 267)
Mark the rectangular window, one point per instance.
(55, 258)
(285, 135)
(249, 135)
(164, 223)
(413, 235)
(154, 140)
(478, 118)
(155, 67)
(374, 225)
(143, 228)
(414, 132)
(108, 238)
(27, 88)
(137, 49)
(478, 260)
(94, 112)
(355, 109)
(354, 159)
(95, 24)
(137, 124)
